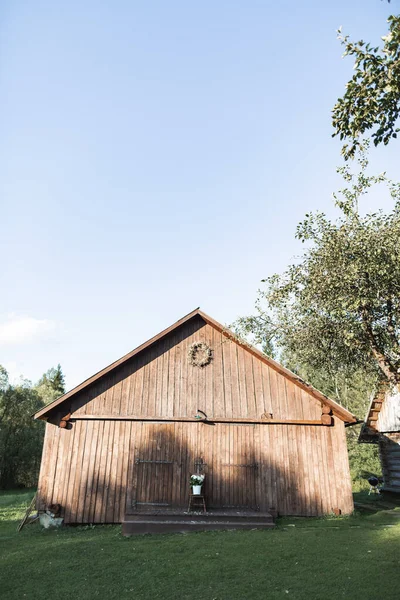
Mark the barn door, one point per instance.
(154, 482)
(157, 464)
(242, 487)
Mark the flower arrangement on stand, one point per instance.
(196, 481)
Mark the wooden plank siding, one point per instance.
(99, 469)
(161, 383)
(389, 451)
(288, 473)
(388, 417)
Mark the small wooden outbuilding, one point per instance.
(382, 427)
(194, 399)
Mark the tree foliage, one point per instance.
(372, 97)
(338, 306)
(21, 438)
(333, 316)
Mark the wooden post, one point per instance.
(326, 419)
(64, 421)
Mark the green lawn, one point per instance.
(355, 558)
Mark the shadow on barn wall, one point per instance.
(158, 462)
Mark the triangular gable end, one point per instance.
(336, 408)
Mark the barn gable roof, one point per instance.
(336, 408)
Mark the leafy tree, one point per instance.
(333, 316)
(3, 379)
(339, 305)
(21, 438)
(372, 97)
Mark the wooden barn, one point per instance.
(121, 446)
(382, 427)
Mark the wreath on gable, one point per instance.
(199, 354)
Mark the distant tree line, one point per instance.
(21, 438)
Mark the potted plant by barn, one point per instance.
(196, 481)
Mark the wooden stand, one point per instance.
(197, 502)
(27, 513)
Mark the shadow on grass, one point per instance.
(375, 503)
(236, 565)
(370, 512)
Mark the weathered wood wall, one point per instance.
(102, 467)
(161, 383)
(389, 415)
(389, 451)
(92, 471)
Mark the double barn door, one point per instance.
(166, 454)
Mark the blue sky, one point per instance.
(156, 157)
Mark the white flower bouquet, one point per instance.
(196, 480)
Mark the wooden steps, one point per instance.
(179, 521)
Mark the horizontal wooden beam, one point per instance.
(193, 420)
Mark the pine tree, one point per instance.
(51, 385)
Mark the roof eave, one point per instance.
(43, 411)
(337, 409)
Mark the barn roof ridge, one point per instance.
(337, 409)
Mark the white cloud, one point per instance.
(21, 330)
(14, 372)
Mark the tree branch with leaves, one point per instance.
(372, 97)
(337, 308)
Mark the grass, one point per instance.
(354, 557)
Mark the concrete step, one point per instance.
(139, 527)
(220, 516)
